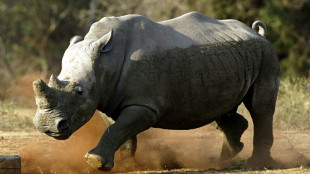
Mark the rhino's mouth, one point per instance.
(63, 135)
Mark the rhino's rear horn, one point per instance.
(44, 95)
(55, 82)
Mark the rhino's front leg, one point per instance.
(128, 149)
(233, 125)
(131, 121)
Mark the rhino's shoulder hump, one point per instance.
(125, 18)
(105, 24)
(101, 27)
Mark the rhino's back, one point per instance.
(185, 31)
(208, 31)
(192, 29)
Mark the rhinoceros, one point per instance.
(181, 73)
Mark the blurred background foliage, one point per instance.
(35, 33)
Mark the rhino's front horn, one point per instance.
(39, 87)
(54, 82)
(45, 97)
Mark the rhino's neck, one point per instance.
(109, 71)
(108, 67)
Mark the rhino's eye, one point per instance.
(78, 90)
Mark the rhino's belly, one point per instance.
(183, 122)
(200, 112)
(200, 100)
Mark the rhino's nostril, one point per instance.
(62, 125)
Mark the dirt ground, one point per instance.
(159, 151)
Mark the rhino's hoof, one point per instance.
(97, 162)
(229, 152)
(260, 162)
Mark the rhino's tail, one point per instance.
(262, 29)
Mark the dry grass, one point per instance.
(293, 105)
(13, 117)
(17, 106)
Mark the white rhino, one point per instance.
(181, 73)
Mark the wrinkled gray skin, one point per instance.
(177, 74)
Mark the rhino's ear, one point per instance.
(75, 39)
(103, 44)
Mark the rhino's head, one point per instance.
(70, 100)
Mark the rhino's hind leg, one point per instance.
(261, 107)
(233, 125)
(128, 149)
(260, 102)
(127, 154)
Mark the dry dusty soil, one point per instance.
(159, 151)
